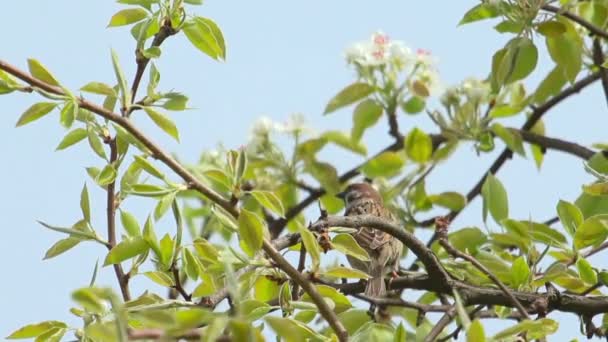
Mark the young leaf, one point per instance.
(106, 176)
(495, 198)
(41, 72)
(479, 12)
(150, 237)
(35, 112)
(475, 332)
(367, 113)
(251, 230)
(206, 36)
(130, 224)
(148, 167)
(72, 138)
(585, 271)
(127, 16)
(347, 244)
(34, 330)
(520, 274)
(566, 50)
(312, 247)
(84, 204)
(95, 143)
(99, 88)
(419, 146)
(451, 200)
(269, 201)
(345, 272)
(386, 164)
(570, 216)
(511, 138)
(61, 246)
(349, 95)
(591, 232)
(125, 91)
(125, 250)
(163, 122)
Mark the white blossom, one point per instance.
(476, 90)
(262, 127)
(296, 123)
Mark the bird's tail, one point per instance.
(375, 285)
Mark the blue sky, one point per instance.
(283, 57)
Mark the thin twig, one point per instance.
(556, 144)
(295, 292)
(443, 241)
(178, 283)
(440, 325)
(123, 279)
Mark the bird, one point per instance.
(384, 249)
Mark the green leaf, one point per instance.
(480, 12)
(550, 86)
(450, 200)
(125, 91)
(149, 235)
(475, 332)
(95, 143)
(324, 173)
(349, 95)
(90, 299)
(269, 201)
(509, 26)
(495, 198)
(161, 278)
(206, 287)
(534, 329)
(41, 72)
(291, 330)
(347, 244)
(106, 176)
(251, 230)
(194, 2)
(99, 88)
(592, 232)
(366, 115)
(387, 164)
(312, 247)
(148, 167)
(345, 272)
(143, 3)
(34, 330)
(163, 205)
(149, 190)
(520, 274)
(127, 16)
(163, 122)
(190, 264)
(585, 271)
(52, 335)
(414, 105)
(596, 189)
(419, 146)
(566, 51)
(514, 62)
(84, 204)
(35, 112)
(467, 239)
(594, 12)
(342, 140)
(510, 137)
(61, 246)
(175, 101)
(152, 52)
(341, 302)
(73, 137)
(125, 250)
(551, 28)
(570, 216)
(68, 113)
(71, 231)
(206, 36)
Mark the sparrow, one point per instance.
(384, 249)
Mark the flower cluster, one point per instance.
(474, 90)
(384, 62)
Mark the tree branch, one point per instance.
(596, 30)
(442, 230)
(125, 123)
(123, 279)
(424, 254)
(440, 325)
(556, 144)
(598, 60)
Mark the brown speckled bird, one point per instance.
(384, 249)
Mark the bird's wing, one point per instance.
(371, 238)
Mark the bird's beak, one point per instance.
(341, 195)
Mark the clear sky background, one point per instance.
(283, 57)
